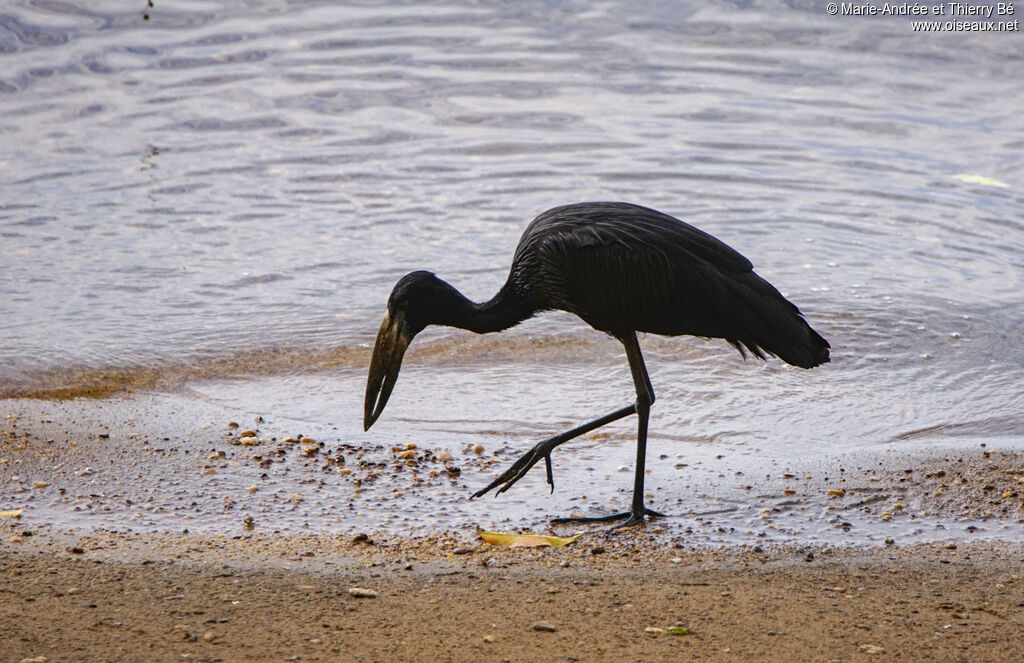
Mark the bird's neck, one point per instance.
(506, 309)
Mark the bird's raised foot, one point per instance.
(519, 469)
(631, 518)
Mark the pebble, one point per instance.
(208, 637)
(544, 626)
(872, 649)
(248, 433)
(34, 659)
(478, 449)
(361, 593)
(39, 484)
(654, 630)
(597, 550)
(443, 456)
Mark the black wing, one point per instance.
(623, 268)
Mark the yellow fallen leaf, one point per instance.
(525, 540)
(12, 514)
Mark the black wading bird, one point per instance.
(623, 269)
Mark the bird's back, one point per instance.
(622, 267)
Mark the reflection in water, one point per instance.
(223, 192)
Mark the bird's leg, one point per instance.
(544, 449)
(644, 399)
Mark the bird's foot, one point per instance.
(631, 518)
(522, 466)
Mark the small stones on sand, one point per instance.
(544, 627)
(362, 593)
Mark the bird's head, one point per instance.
(415, 302)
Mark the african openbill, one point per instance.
(623, 269)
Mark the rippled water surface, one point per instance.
(221, 191)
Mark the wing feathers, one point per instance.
(623, 268)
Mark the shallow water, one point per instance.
(222, 192)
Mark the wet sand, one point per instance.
(285, 602)
(117, 586)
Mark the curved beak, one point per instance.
(392, 341)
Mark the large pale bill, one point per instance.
(392, 341)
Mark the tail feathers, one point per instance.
(768, 322)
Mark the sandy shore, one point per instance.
(231, 600)
(119, 586)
